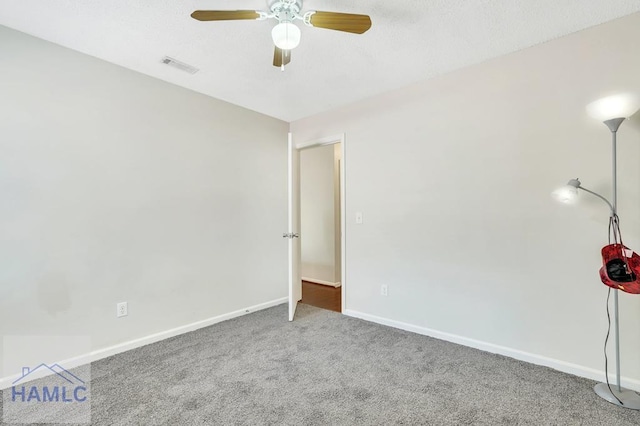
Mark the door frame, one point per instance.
(332, 140)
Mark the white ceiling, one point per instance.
(410, 40)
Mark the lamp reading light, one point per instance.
(567, 194)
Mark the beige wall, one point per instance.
(337, 210)
(119, 187)
(453, 177)
(317, 213)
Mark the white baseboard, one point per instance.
(5, 382)
(323, 282)
(565, 367)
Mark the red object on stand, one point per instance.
(621, 268)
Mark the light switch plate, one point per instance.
(358, 217)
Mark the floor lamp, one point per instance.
(612, 110)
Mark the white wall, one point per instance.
(453, 176)
(317, 213)
(119, 187)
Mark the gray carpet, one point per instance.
(328, 369)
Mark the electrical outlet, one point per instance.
(122, 309)
(384, 290)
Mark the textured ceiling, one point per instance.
(410, 40)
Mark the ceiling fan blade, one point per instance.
(347, 22)
(224, 15)
(281, 57)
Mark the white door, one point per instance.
(295, 283)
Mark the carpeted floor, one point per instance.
(328, 369)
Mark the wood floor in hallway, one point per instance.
(322, 296)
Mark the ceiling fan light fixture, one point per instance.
(286, 35)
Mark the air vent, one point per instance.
(179, 65)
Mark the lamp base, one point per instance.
(629, 398)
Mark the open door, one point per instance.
(295, 284)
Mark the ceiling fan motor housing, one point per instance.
(285, 10)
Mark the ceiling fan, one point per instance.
(286, 35)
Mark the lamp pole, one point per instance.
(618, 395)
(614, 125)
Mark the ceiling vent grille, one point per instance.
(179, 65)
